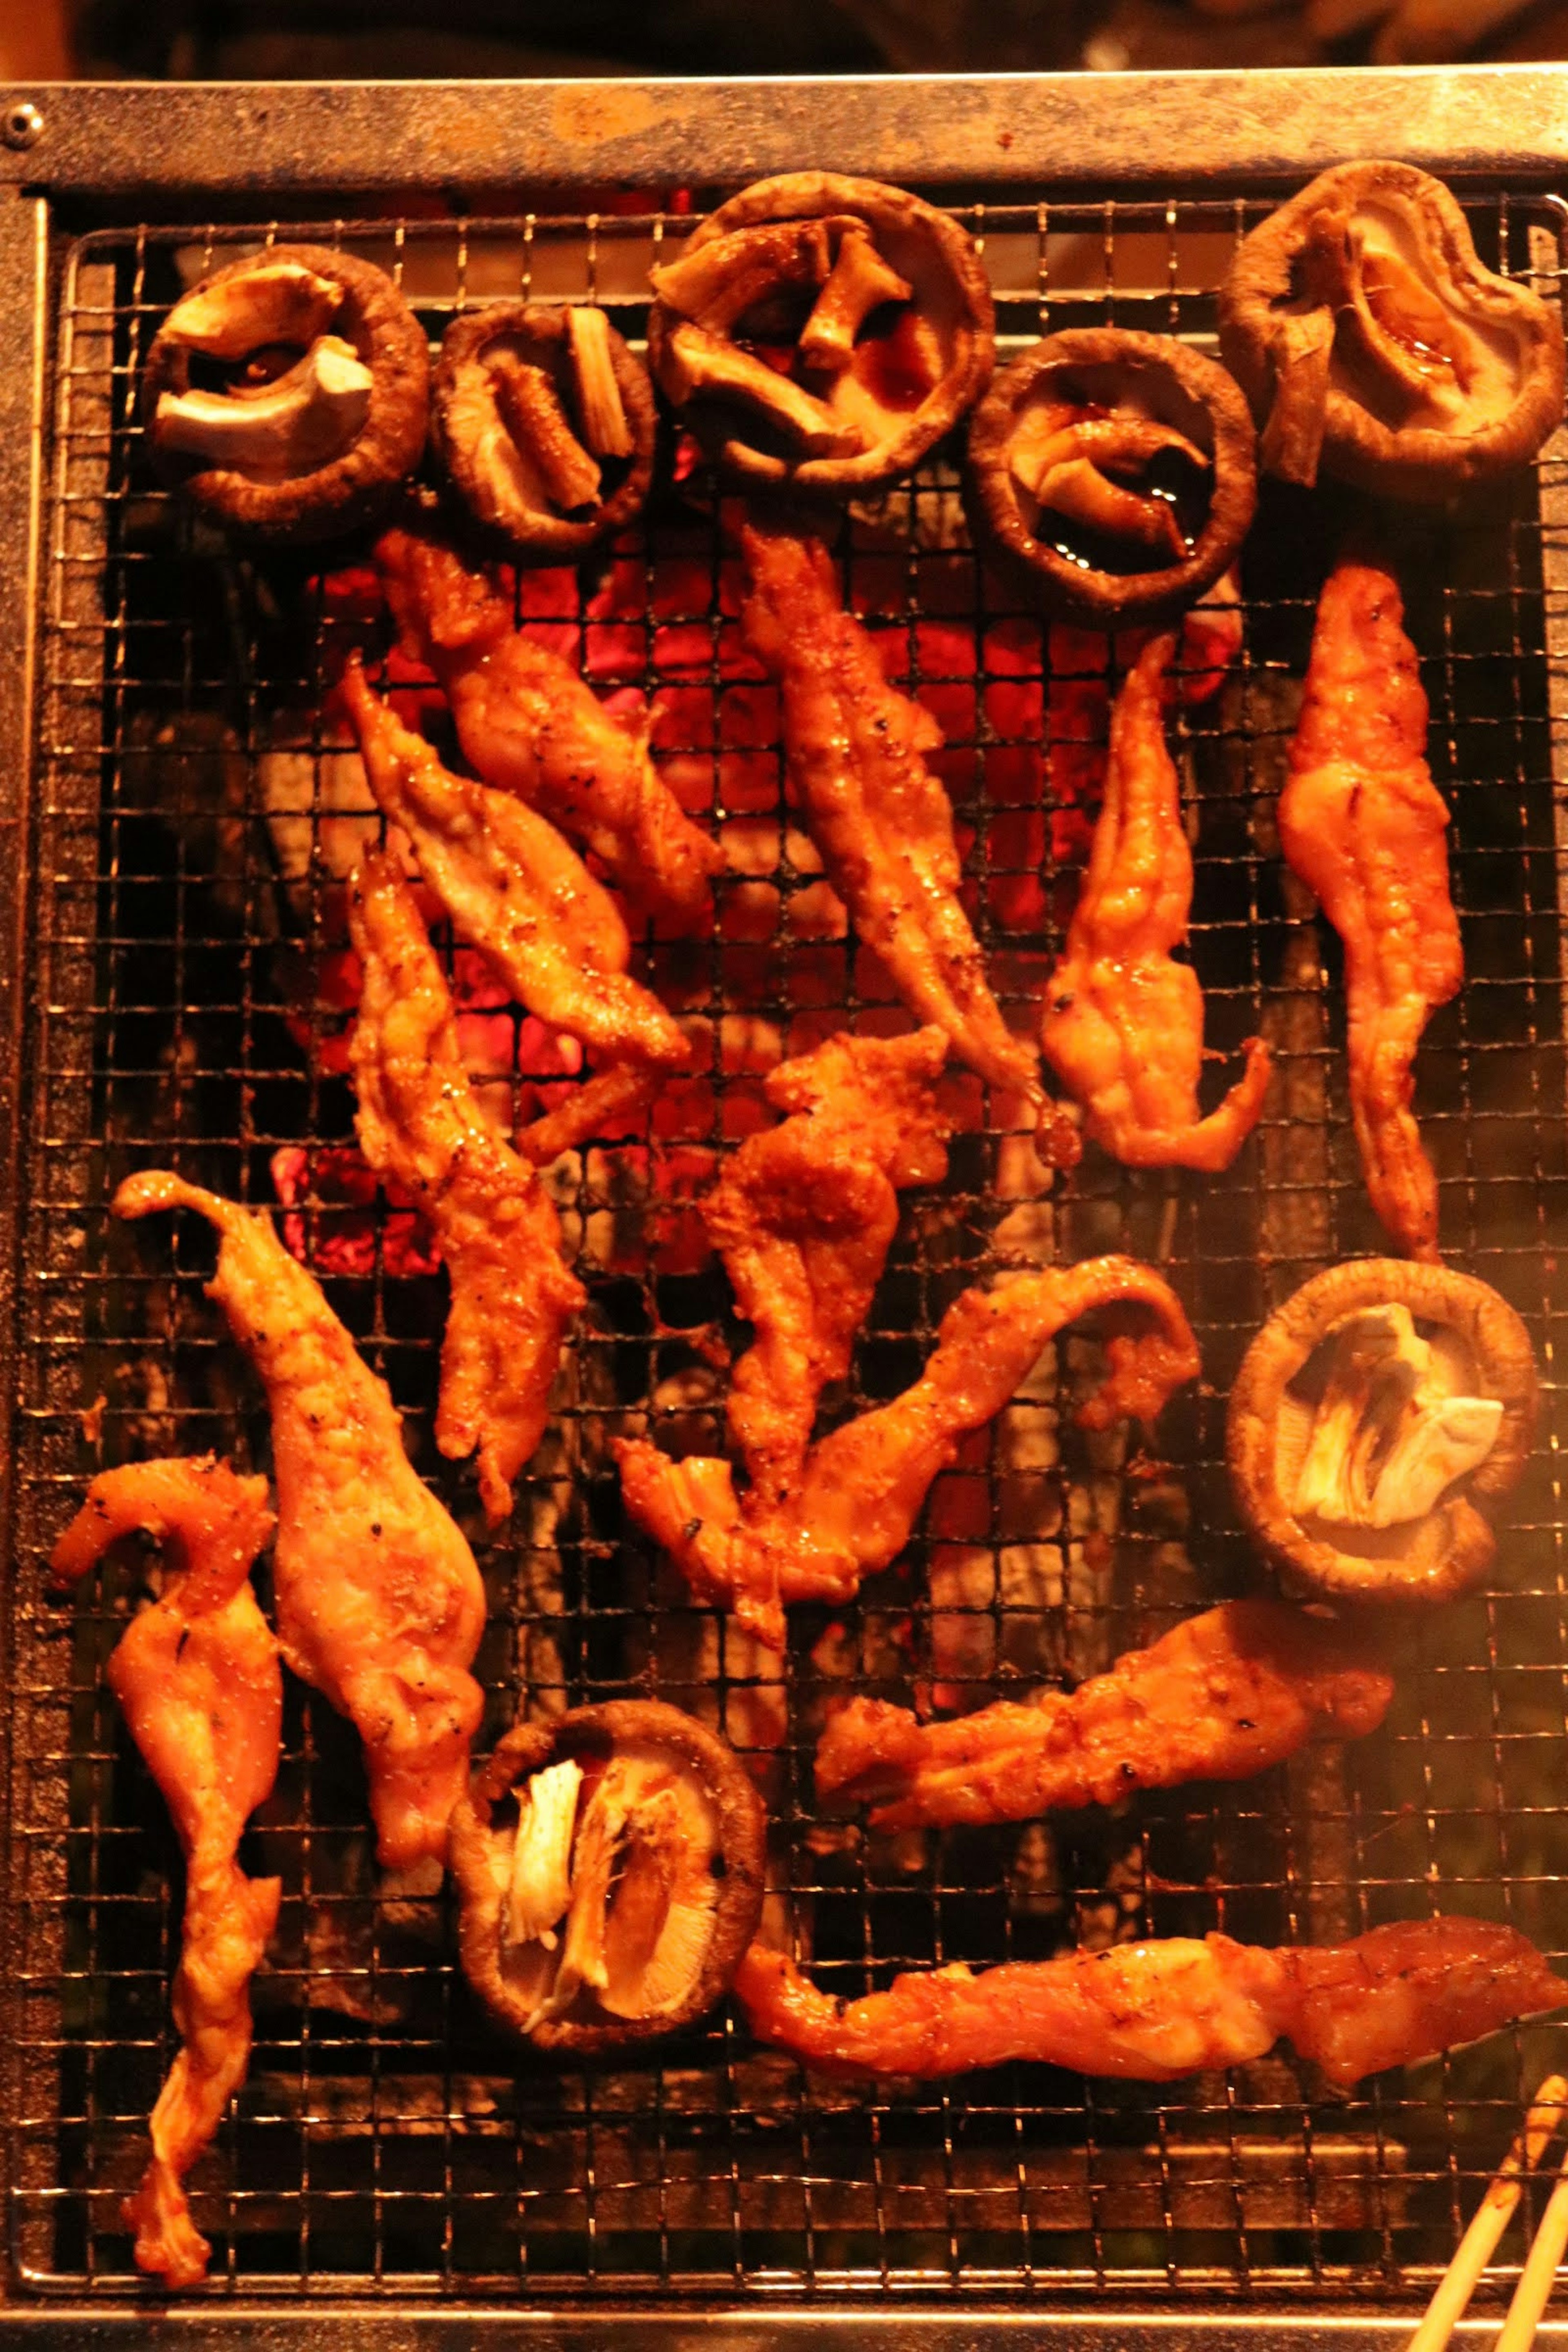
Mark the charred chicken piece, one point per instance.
(516, 889)
(1363, 826)
(199, 1680)
(1224, 1696)
(287, 394)
(1112, 474)
(1124, 1026)
(1373, 346)
(1374, 1419)
(860, 1491)
(880, 817)
(1153, 2012)
(803, 1216)
(615, 1903)
(822, 330)
(531, 726)
(420, 1126)
(545, 424)
(379, 1603)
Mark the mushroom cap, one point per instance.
(1260, 299)
(544, 327)
(1431, 1558)
(351, 489)
(596, 1732)
(950, 289)
(1169, 381)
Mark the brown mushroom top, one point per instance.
(822, 332)
(545, 422)
(1374, 346)
(1371, 1416)
(619, 1905)
(288, 391)
(1113, 474)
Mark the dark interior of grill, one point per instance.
(186, 962)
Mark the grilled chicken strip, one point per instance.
(880, 818)
(199, 1684)
(1155, 2011)
(1219, 1698)
(1124, 1027)
(532, 728)
(803, 1216)
(1363, 824)
(860, 1491)
(420, 1126)
(378, 1601)
(516, 889)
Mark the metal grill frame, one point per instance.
(167, 153)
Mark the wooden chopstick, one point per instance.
(1492, 2216)
(1539, 2276)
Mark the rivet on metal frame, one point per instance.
(22, 125)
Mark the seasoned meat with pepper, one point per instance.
(1219, 1698)
(199, 1680)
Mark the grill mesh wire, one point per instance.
(384, 2137)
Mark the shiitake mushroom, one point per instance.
(1112, 475)
(1372, 1420)
(287, 392)
(609, 1871)
(545, 424)
(822, 332)
(1373, 345)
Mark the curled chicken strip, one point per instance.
(802, 1218)
(1123, 1024)
(880, 819)
(860, 1491)
(532, 728)
(199, 1684)
(1153, 2012)
(1363, 824)
(1223, 1697)
(515, 889)
(420, 1126)
(378, 1601)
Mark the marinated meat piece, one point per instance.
(378, 1601)
(199, 1684)
(1153, 2012)
(878, 816)
(1223, 1697)
(802, 1218)
(513, 887)
(1123, 1024)
(532, 728)
(420, 1126)
(1363, 824)
(861, 1489)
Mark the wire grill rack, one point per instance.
(185, 934)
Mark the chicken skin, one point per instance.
(860, 1491)
(531, 726)
(1124, 1027)
(516, 889)
(1153, 2012)
(803, 1216)
(420, 1126)
(378, 1601)
(880, 818)
(1363, 824)
(1223, 1697)
(200, 1687)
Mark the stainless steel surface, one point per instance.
(1045, 132)
(386, 2146)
